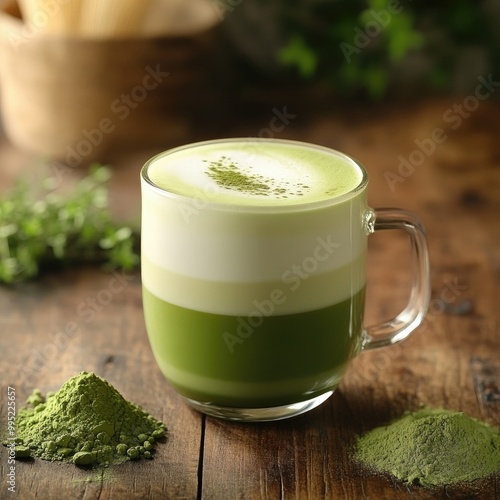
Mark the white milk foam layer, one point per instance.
(226, 259)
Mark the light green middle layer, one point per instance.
(296, 292)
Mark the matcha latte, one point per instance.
(253, 269)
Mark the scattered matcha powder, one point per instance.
(432, 447)
(87, 422)
(229, 175)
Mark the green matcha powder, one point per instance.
(432, 448)
(229, 175)
(87, 422)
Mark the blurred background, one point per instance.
(71, 76)
(373, 49)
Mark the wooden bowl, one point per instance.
(74, 98)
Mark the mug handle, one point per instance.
(399, 327)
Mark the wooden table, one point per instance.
(452, 361)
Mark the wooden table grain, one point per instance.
(66, 322)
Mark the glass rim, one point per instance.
(303, 206)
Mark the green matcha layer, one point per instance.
(254, 361)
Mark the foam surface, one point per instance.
(253, 172)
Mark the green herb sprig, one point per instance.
(38, 230)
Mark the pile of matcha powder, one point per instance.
(432, 447)
(87, 422)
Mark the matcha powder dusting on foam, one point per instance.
(87, 422)
(229, 175)
(432, 448)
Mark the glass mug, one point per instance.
(254, 282)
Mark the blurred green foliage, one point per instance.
(375, 45)
(38, 230)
